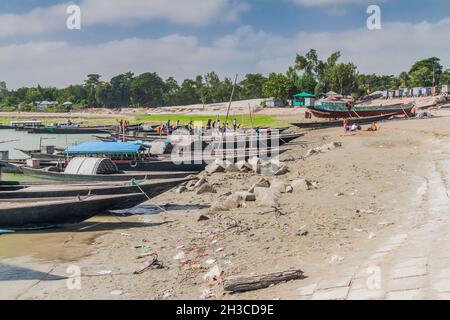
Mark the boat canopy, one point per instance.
(104, 148)
(304, 95)
(91, 166)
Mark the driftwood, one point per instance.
(249, 283)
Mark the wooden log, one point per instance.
(250, 283)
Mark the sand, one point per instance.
(366, 191)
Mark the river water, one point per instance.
(28, 141)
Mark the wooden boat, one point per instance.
(339, 123)
(150, 188)
(11, 188)
(207, 137)
(70, 130)
(342, 109)
(127, 176)
(53, 212)
(192, 162)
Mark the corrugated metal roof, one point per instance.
(91, 166)
(104, 148)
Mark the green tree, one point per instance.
(201, 90)
(104, 94)
(445, 77)
(343, 78)
(277, 86)
(121, 89)
(188, 92)
(147, 90)
(90, 85)
(252, 86)
(405, 80)
(421, 77)
(426, 72)
(170, 95)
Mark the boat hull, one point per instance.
(74, 178)
(49, 214)
(325, 112)
(151, 189)
(338, 123)
(49, 130)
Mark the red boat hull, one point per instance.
(359, 114)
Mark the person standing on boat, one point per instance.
(218, 126)
(234, 124)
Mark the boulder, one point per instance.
(278, 186)
(313, 152)
(214, 168)
(218, 207)
(181, 189)
(300, 185)
(202, 217)
(262, 183)
(265, 197)
(246, 196)
(205, 188)
(199, 183)
(231, 167)
(289, 189)
(233, 202)
(330, 146)
(243, 166)
(282, 171)
(255, 164)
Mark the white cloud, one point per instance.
(388, 51)
(313, 3)
(96, 12)
(192, 12)
(36, 21)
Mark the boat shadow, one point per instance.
(96, 226)
(151, 209)
(14, 273)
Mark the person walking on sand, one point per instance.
(346, 125)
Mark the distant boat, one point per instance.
(343, 109)
(339, 123)
(66, 129)
(54, 212)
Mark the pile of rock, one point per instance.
(256, 165)
(324, 148)
(263, 193)
(199, 186)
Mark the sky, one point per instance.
(184, 38)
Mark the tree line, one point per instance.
(309, 74)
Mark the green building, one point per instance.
(304, 99)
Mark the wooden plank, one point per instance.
(250, 283)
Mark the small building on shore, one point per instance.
(304, 99)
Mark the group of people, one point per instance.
(123, 125)
(168, 128)
(356, 127)
(210, 124)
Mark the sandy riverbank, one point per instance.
(366, 191)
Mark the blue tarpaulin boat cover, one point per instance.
(99, 147)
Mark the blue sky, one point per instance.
(183, 38)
